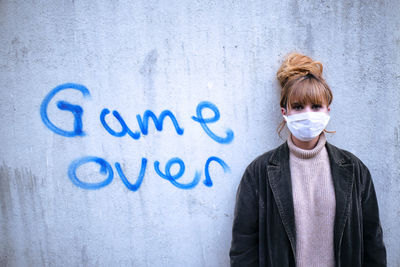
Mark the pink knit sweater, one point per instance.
(314, 204)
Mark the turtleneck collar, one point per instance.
(304, 153)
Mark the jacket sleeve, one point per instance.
(244, 246)
(374, 248)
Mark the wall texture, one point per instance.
(84, 181)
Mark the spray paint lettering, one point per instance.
(143, 125)
(76, 110)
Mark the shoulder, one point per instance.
(264, 159)
(257, 169)
(344, 157)
(256, 172)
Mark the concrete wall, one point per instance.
(180, 58)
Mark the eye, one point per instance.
(316, 106)
(297, 107)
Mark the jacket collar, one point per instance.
(342, 170)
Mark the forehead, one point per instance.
(307, 92)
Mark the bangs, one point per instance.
(309, 91)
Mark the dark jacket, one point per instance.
(263, 231)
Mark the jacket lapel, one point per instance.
(342, 170)
(279, 179)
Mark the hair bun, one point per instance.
(296, 64)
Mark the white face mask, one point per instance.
(307, 125)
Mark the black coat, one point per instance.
(263, 231)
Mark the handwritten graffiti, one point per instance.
(172, 178)
(203, 122)
(143, 123)
(76, 110)
(208, 182)
(143, 126)
(105, 168)
(135, 186)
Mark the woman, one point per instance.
(307, 202)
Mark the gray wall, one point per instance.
(170, 56)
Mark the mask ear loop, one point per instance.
(282, 124)
(285, 116)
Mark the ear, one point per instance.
(329, 109)
(283, 111)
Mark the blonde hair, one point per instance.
(300, 78)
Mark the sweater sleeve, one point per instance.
(244, 246)
(374, 248)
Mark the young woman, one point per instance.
(307, 202)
